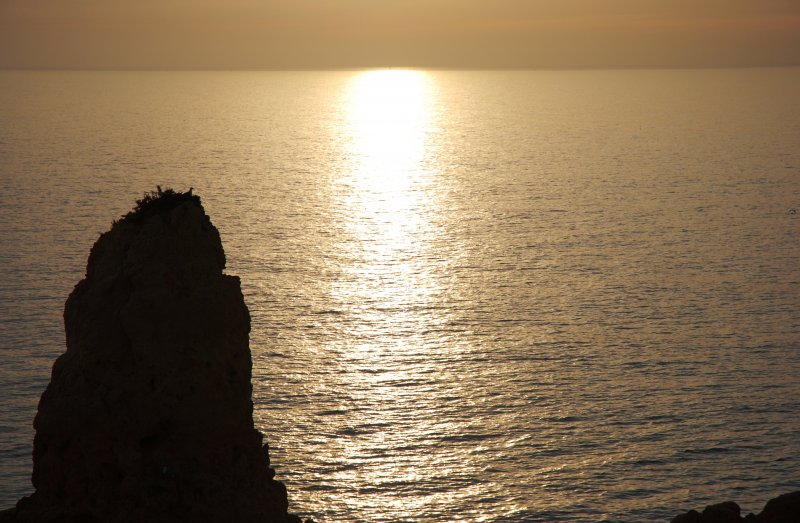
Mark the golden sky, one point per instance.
(290, 34)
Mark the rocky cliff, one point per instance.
(148, 414)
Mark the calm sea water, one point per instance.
(476, 296)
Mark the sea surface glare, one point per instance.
(475, 296)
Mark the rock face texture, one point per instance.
(148, 414)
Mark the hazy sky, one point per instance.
(256, 34)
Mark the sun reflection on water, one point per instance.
(388, 113)
(388, 202)
(389, 283)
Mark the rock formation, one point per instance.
(783, 509)
(148, 414)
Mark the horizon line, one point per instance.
(401, 67)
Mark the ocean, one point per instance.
(478, 296)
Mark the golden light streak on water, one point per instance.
(388, 113)
(389, 284)
(388, 200)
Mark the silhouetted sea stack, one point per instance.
(148, 415)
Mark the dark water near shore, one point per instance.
(475, 296)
